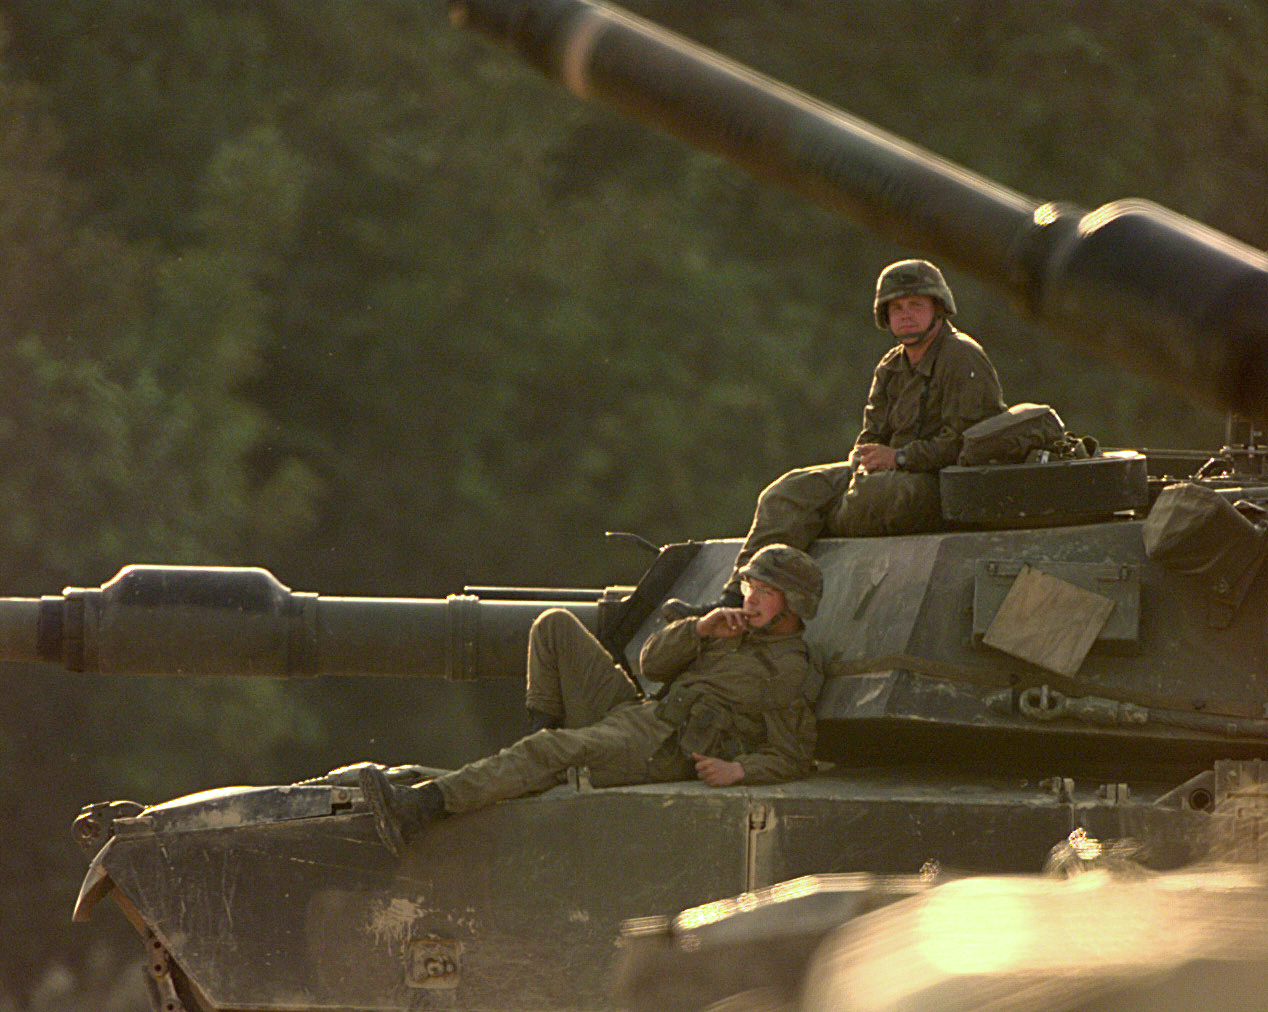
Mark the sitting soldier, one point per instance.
(926, 390)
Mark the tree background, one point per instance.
(329, 287)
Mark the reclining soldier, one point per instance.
(735, 705)
(926, 390)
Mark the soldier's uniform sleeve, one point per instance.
(788, 751)
(668, 652)
(876, 428)
(969, 391)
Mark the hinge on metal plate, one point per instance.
(758, 857)
(1062, 788)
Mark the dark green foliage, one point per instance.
(326, 286)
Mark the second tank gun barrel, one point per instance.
(201, 620)
(1131, 281)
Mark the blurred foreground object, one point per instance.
(1112, 937)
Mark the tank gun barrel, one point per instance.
(152, 620)
(1131, 281)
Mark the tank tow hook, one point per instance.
(94, 825)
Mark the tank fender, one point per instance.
(231, 807)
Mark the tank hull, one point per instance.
(284, 898)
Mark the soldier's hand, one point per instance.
(721, 623)
(876, 457)
(717, 772)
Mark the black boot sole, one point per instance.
(378, 795)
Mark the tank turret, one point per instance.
(1086, 653)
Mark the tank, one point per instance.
(1064, 662)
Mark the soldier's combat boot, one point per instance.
(399, 812)
(676, 608)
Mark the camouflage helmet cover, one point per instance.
(791, 571)
(910, 277)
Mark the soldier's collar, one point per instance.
(766, 634)
(925, 365)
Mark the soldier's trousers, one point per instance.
(833, 500)
(605, 726)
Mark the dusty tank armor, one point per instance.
(991, 690)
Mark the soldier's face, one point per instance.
(762, 603)
(910, 316)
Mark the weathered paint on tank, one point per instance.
(898, 638)
(284, 899)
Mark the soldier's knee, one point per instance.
(808, 486)
(552, 621)
(887, 503)
(786, 485)
(553, 748)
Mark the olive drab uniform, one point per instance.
(742, 698)
(922, 410)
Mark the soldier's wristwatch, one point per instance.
(900, 459)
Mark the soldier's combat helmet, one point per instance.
(910, 277)
(792, 571)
